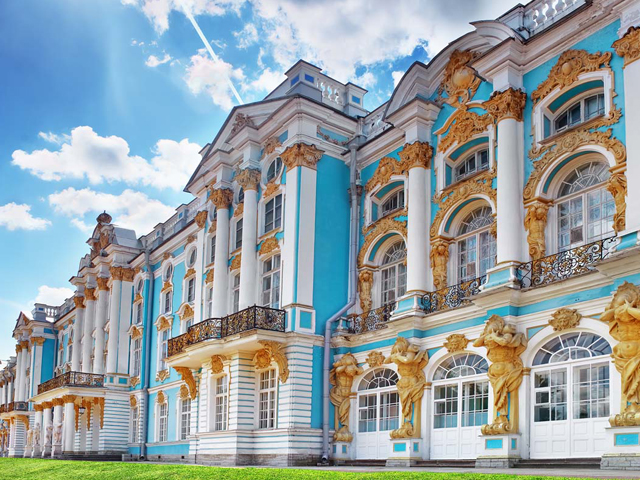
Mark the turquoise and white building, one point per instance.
(500, 182)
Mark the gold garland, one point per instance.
(382, 227)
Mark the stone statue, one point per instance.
(623, 317)
(439, 259)
(365, 281)
(36, 435)
(29, 443)
(617, 186)
(48, 435)
(504, 347)
(535, 223)
(57, 434)
(410, 361)
(341, 377)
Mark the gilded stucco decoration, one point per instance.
(133, 401)
(217, 365)
(208, 279)
(240, 121)
(570, 65)
(183, 393)
(535, 222)
(189, 273)
(375, 359)
(341, 378)
(387, 167)
(166, 287)
(235, 262)
(623, 316)
(191, 238)
(161, 398)
(103, 284)
(201, 218)
(221, 197)
(365, 282)
(271, 188)
(270, 245)
(187, 377)
(301, 155)
(628, 47)
(460, 81)
(214, 226)
(506, 104)
(164, 322)
(412, 155)
(128, 274)
(272, 351)
(439, 257)
(617, 187)
(564, 319)
(460, 127)
(456, 342)
(382, 227)
(410, 362)
(137, 298)
(162, 375)
(135, 381)
(504, 347)
(187, 312)
(248, 179)
(270, 146)
(90, 294)
(79, 302)
(135, 332)
(166, 256)
(239, 210)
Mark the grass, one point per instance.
(19, 469)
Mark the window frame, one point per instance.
(162, 346)
(238, 227)
(162, 426)
(220, 403)
(268, 395)
(276, 213)
(578, 101)
(134, 427)
(135, 367)
(399, 277)
(184, 419)
(476, 156)
(465, 237)
(270, 275)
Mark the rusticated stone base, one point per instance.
(497, 462)
(622, 461)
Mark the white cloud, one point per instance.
(205, 75)
(267, 81)
(247, 36)
(54, 138)
(100, 159)
(130, 209)
(52, 295)
(397, 76)
(18, 217)
(154, 61)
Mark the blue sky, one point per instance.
(104, 104)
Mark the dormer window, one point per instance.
(274, 169)
(473, 164)
(579, 112)
(394, 202)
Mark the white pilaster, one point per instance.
(417, 234)
(56, 442)
(77, 334)
(101, 318)
(89, 320)
(46, 422)
(222, 199)
(124, 320)
(69, 428)
(114, 321)
(248, 266)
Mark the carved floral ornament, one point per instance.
(301, 155)
(270, 146)
(272, 352)
(103, 283)
(90, 294)
(135, 332)
(161, 398)
(201, 218)
(460, 127)
(189, 273)
(382, 227)
(506, 104)
(135, 381)
(570, 65)
(221, 197)
(460, 81)
(564, 319)
(456, 342)
(375, 359)
(208, 279)
(164, 323)
(271, 189)
(239, 210)
(270, 245)
(248, 179)
(133, 401)
(628, 47)
(162, 375)
(187, 312)
(167, 286)
(217, 365)
(235, 263)
(417, 154)
(240, 121)
(187, 377)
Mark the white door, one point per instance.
(571, 399)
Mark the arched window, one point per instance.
(473, 164)
(461, 365)
(378, 402)
(394, 273)
(477, 247)
(381, 378)
(168, 273)
(572, 346)
(393, 202)
(579, 112)
(585, 208)
(274, 169)
(191, 259)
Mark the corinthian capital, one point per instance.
(221, 197)
(301, 155)
(103, 284)
(416, 155)
(90, 294)
(506, 104)
(248, 179)
(79, 301)
(628, 47)
(116, 273)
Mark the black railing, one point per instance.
(72, 379)
(14, 406)
(372, 320)
(564, 265)
(262, 318)
(452, 297)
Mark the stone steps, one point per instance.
(562, 463)
(94, 457)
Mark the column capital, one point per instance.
(248, 179)
(301, 155)
(37, 340)
(69, 398)
(79, 301)
(57, 402)
(506, 104)
(628, 47)
(47, 405)
(221, 197)
(116, 273)
(128, 274)
(24, 344)
(90, 294)
(201, 219)
(38, 407)
(103, 284)
(416, 155)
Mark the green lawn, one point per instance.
(18, 469)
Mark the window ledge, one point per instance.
(269, 233)
(588, 124)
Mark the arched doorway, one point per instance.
(378, 413)
(570, 396)
(460, 406)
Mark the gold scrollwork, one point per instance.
(565, 318)
(271, 244)
(383, 226)
(460, 127)
(628, 47)
(456, 342)
(187, 377)
(365, 282)
(272, 351)
(375, 359)
(460, 81)
(301, 155)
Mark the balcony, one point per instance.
(252, 318)
(564, 265)
(14, 407)
(72, 379)
(452, 297)
(371, 320)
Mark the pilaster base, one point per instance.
(624, 449)
(16, 452)
(341, 451)
(499, 451)
(503, 275)
(28, 452)
(37, 452)
(405, 452)
(46, 451)
(56, 451)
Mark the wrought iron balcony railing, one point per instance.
(262, 318)
(563, 265)
(14, 406)
(452, 297)
(372, 320)
(72, 379)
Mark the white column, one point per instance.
(114, 320)
(77, 334)
(101, 318)
(221, 198)
(36, 368)
(19, 372)
(9, 393)
(56, 443)
(37, 438)
(95, 428)
(126, 299)
(69, 428)
(249, 180)
(87, 339)
(46, 438)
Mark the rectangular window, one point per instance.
(236, 293)
(389, 411)
(550, 396)
(239, 234)
(221, 403)
(191, 290)
(212, 250)
(393, 203)
(134, 425)
(185, 418)
(267, 399)
(477, 162)
(163, 420)
(368, 413)
(591, 391)
(167, 302)
(475, 404)
(209, 305)
(271, 282)
(163, 349)
(136, 357)
(273, 214)
(138, 313)
(445, 406)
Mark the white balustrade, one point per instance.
(543, 13)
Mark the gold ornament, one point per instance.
(301, 155)
(456, 342)
(208, 279)
(162, 375)
(183, 394)
(460, 127)
(214, 226)
(135, 381)
(570, 65)
(90, 294)
(415, 155)
(628, 46)
(460, 81)
(161, 398)
(565, 318)
(617, 186)
(365, 282)
(103, 284)
(235, 262)
(221, 197)
(128, 274)
(187, 377)
(439, 258)
(506, 104)
(623, 316)
(382, 227)
(241, 120)
(248, 179)
(135, 332)
(410, 362)
(504, 347)
(535, 222)
(116, 273)
(270, 146)
(189, 273)
(239, 210)
(271, 244)
(201, 218)
(271, 188)
(187, 312)
(79, 302)
(164, 323)
(375, 359)
(133, 401)
(217, 365)
(341, 378)
(272, 351)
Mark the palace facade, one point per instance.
(450, 276)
